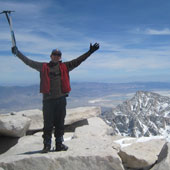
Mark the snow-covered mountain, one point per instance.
(146, 114)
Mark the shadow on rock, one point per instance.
(68, 128)
(72, 127)
(6, 143)
(31, 152)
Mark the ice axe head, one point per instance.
(6, 12)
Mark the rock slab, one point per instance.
(141, 154)
(72, 116)
(36, 117)
(91, 148)
(14, 125)
(81, 113)
(163, 162)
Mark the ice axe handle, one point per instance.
(8, 16)
(13, 39)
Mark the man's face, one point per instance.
(55, 58)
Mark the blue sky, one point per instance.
(134, 37)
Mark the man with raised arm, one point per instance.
(55, 86)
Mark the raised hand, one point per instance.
(94, 47)
(14, 50)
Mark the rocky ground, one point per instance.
(91, 145)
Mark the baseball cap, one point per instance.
(56, 52)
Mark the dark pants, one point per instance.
(54, 112)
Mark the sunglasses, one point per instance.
(55, 54)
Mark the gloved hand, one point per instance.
(14, 50)
(94, 47)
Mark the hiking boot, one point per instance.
(61, 147)
(46, 149)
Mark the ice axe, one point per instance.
(9, 19)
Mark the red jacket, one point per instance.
(45, 79)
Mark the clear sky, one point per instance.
(134, 37)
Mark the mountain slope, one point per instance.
(146, 114)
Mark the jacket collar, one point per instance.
(52, 64)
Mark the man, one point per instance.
(55, 86)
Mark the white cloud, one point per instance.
(165, 31)
(130, 60)
(150, 31)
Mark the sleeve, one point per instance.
(76, 62)
(33, 64)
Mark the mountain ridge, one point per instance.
(145, 114)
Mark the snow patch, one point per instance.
(129, 141)
(68, 138)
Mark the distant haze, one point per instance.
(16, 98)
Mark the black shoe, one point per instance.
(46, 149)
(61, 147)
